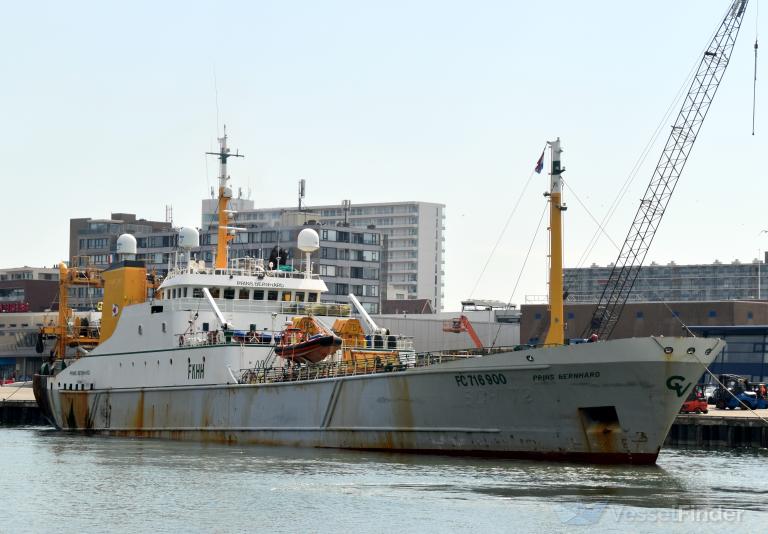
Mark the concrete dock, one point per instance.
(720, 429)
(18, 406)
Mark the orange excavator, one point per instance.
(462, 324)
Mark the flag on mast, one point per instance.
(540, 163)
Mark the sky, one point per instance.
(109, 107)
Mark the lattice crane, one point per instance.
(676, 151)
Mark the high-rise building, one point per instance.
(672, 282)
(414, 256)
(349, 260)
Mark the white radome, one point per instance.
(189, 238)
(126, 244)
(309, 240)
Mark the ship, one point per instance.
(192, 357)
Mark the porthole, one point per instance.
(668, 350)
(691, 350)
(170, 360)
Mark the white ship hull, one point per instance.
(601, 402)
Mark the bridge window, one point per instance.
(197, 293)
(229, 293)
(272, 295)
(286, 296)
(258, 294)
(299, 296)
(312, 297)
(215, 292)
(243, 294)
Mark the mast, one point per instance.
(225, 232)
(556, 330)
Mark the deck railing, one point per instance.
(317, 371)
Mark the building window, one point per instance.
(328, 253)
(327, 270)
(571, 315)
(712, 313)
(537, 316)
(639, 314)
(749, 315)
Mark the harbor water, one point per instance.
(57, 482)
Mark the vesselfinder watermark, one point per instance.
(582, 514)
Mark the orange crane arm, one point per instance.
(471, 331)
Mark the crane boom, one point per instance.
(676, 151)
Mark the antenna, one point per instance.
(345, 205)
(302, 191)
(216, 92)
(169, 213)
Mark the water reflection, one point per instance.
(174, 479)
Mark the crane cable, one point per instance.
(754, 80)
(641, 159)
